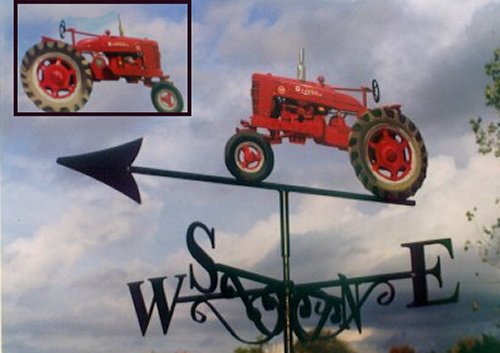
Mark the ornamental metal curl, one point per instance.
(294, 305)
(312, 308)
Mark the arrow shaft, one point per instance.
(262, 185)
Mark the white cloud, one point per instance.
(453, 16)
(55, 249)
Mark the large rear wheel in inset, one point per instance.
(56, 77)
(249, 157)
(388, 154)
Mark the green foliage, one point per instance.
(488, 244)
(249, 349)
(488, 141)
(492, 92)
(488, 137)
(323, 345)
(402, 349)
(484, 344)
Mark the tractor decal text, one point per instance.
(118, 44)
(307, 91)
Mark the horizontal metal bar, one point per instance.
(303, 286)
(219, 295)
(247, 275)
(264, 185)
(356, 280)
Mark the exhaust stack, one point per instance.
(301, 67)
(120, 27)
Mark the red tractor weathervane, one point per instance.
(58, 78)
(386, 149)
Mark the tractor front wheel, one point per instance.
(56, 77)
(249, 157)
(388, 154)
(166, 98)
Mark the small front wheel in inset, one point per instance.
(249, 157)
(166, 98)
(388, 154)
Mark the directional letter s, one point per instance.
(202, 257)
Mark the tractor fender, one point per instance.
(48, 39)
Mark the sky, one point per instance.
(70, 244)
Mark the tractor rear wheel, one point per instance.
(388, 154)
(249, 157)
(56, 77)
(166, 98)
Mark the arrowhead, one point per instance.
(110, 166)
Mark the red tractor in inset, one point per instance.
(57, 77)
(386, 149)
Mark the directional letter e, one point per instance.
(419, 273)
(159, 299)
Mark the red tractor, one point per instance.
(57, 76)
(386, 149)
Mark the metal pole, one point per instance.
(285, 255)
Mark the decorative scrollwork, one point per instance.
(312, 308)
(326, 307)
(268, 298)
(386, 297)
(270, 304)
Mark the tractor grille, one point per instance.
(255, 96)
(156, 58)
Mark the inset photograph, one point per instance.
(102, 59)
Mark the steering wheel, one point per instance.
(62, 29)
(375, 91)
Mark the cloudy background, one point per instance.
(70, 245)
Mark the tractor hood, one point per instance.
(313, 92)
(116, 44)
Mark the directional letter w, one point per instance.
(159, 299)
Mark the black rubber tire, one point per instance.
(162, 87)
(257, 142)
(43, 51)
(362, 157)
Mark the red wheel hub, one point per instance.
(57, 77)
(168, 98)
(389, 154)
(249, 157)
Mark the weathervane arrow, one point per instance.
(110, 166)
(113, 167)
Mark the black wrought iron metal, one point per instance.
(114, 167)
(110, 166)
(285, 256)
(295, 305)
